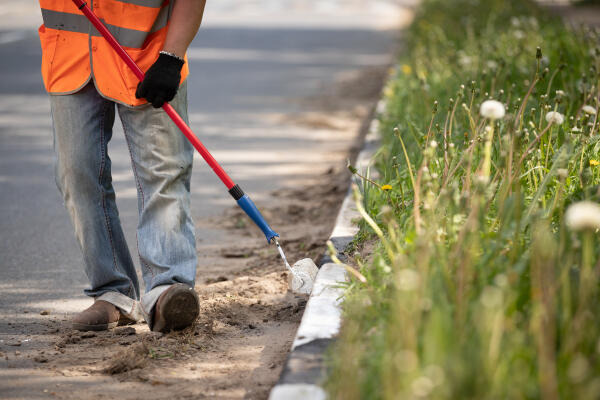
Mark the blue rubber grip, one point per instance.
(249, 208)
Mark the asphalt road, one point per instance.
(250, 64)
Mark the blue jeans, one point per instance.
(161, 159)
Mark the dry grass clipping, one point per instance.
(134, 358)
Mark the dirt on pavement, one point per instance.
(248, 318)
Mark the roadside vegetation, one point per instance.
(485, 278)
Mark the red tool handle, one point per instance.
(82, 5)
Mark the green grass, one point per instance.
(478, 288)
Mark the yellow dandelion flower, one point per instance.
(406, 69)
(593, 163)
(386, 187)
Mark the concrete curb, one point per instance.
(304, 369)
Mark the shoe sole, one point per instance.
(101, 327)
(179, 309)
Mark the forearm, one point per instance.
(183, 25)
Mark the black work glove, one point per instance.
(161, 81)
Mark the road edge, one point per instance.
(304, 370)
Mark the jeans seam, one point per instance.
(103, 191)
(139, 185)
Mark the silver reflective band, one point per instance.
(79, 23)
(144, 3)
(161, 19)
(65, 21)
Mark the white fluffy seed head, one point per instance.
(562, 172)
(554, 117)
(589, 110)
(583, 215)
(492, 109)
(408, 280)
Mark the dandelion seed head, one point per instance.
(492, 109)
(589, 110)
(408, 279)
(436, 373)
(482, 180)
(583, 215)
(433, 144)
(578, 369)
(422, 386)
(501, 280)
(519, 34)
(554, 117)
(440, 233)
(562, 172)
(533, 21)
(491, 297)
(465, 60)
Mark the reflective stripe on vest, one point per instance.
(79, 23)
(144, 3)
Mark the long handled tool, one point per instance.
(242, 199)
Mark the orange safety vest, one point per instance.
(73, 51)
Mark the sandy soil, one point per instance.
(248, 318)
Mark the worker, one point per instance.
(87, 83)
